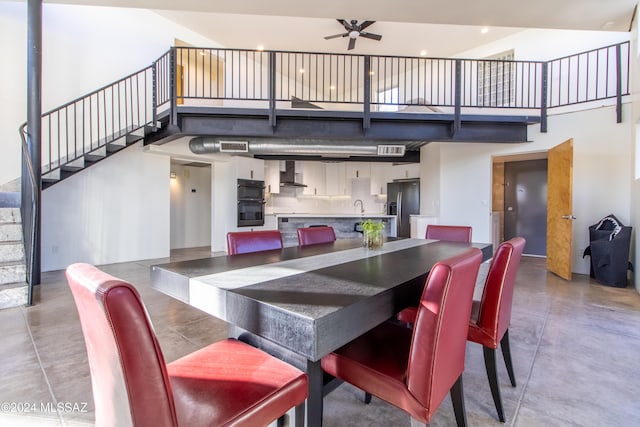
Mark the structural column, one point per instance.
(34, 136)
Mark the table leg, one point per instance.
(314, 401)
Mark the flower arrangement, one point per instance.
(372, 233)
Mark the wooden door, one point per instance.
(559, 210)
(179, 84)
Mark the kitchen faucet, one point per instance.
(361, 205)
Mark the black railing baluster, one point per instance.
(272, 89)
(366, 122)
(618, 85)
(543, 99)
(457, 107)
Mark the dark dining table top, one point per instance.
(313, 299)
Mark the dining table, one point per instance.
(300, 303)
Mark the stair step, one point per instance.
(95, 155)
(13, 295)
(72, 169)
(112, 148)
(10, 216)
(11, 252)
(10, 232)
(12, 273)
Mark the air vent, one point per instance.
(391, 150)
(234, 146)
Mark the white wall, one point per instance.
(190, 210)
(114, 211)
(84, 48)
(545, 44)
(601, 174)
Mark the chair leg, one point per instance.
(490, 366)
(506, 354)
(298, 415)
(367, 398)
(457, 397)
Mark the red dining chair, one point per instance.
(490, 317)
(449, 233)
(414, 369)
(242, 242)
(315, 235)
(225, 383)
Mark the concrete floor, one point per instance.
(576, 349)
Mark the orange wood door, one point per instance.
(179, 84)
(560, 210)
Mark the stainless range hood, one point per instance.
(288, 177)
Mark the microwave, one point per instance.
(249, 189)
(250, 203)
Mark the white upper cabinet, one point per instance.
(406, 171)
(381, 174)
(313, 176)
(249, 168)
(358, 170)
(272, 176)
(337, 182)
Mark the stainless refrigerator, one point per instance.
(403, 199)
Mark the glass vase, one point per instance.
(372, 239)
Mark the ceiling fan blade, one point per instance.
(352, 44)
(365, 24)
(336, 35)
(371, 36)
(345, 24)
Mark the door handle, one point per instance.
(568, 217)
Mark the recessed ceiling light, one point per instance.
(260, 47)
(423, 53)
(332, 87)
(301, 70)
(484, 30)
(607, 24)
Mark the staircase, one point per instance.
(76, 162)
(13, 287)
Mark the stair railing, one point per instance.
(29, 213)
(102, 117)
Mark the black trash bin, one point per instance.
(609, 242)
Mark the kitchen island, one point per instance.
(344, 225)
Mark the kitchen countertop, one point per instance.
(341, 215)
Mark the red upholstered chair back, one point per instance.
(315, 235)
(450, 233)
(497, 297)
(128, 373)
(436, 358)
(242, 242)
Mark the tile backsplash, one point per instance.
(291, 200)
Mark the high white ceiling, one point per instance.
(441, 27)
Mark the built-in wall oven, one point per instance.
(250, 203)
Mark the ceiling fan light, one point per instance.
(354, 34)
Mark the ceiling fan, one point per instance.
(354, 30)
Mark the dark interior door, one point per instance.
(525, 204)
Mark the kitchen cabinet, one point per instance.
(358, 170)
(406, 171)
(249, 168)
(336, 179)
(272, 176)
(314, 177)
(381, 174)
